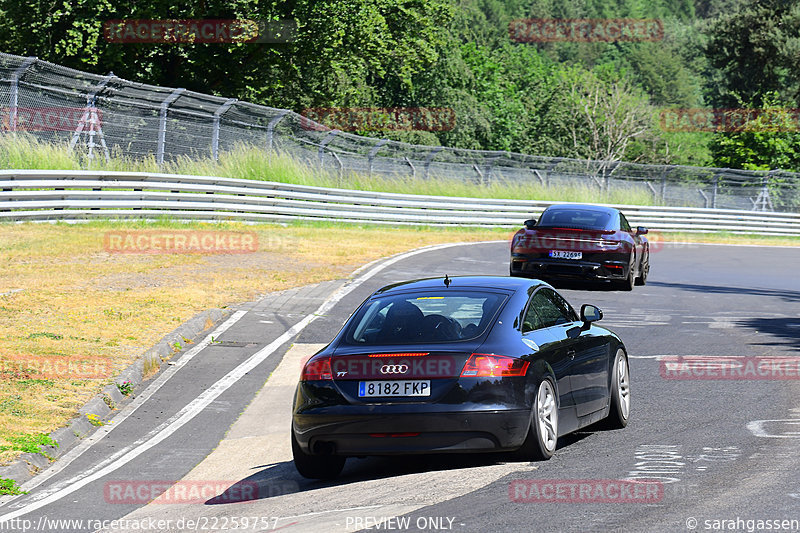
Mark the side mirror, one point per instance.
(530, 223)
(641, 230)
(590, 313)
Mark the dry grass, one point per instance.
(78, 300)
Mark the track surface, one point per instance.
(725, 451)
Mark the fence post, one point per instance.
(17, 74)
(714, 191)
(328, 138)
(664, 184)
(271, 127)
(410, 164)
(91, 118)
(373, 152)
(162, 124)
(429, 159)
(215, 132)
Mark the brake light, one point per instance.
(401, 354)
(483, 365)
(317, 369)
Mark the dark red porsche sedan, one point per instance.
(586, 242)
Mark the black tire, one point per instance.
(644, 271)
(620, 410)
(627, 283)
(316, 466)
(542, 438)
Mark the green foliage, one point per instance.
(770, 141)
(524, 97)
(126, 387)
(28, 443)
(9, 487)
(756, 51)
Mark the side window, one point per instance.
(547, 309)
(562, 304)
(623, 223)
(532, 319)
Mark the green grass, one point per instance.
(248, 162)
(9, 487)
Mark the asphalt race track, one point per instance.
(720, 454)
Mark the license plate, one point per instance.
(372, 389)
(558, 254)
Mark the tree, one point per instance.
(769, 141)
(756, 51)
(607, 116)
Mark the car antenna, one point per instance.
(447, 281)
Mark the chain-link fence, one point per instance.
(106, 114)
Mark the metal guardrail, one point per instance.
(30, 195)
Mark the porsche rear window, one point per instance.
(575, 218)
(422, 318)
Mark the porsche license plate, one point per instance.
(559, 254)
(373, 389)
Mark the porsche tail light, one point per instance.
(316, 369)
(483, 365)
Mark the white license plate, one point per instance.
(558, 254)
(372, 389)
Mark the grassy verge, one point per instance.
(64, 297)
(22, 151)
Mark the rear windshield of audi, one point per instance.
(575, 218)
(416, 318)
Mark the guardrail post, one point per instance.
(328, 138)
(14, 101)
(271, 128)
(429, 159)
(215, 132)
(373, 152)
(162, 124)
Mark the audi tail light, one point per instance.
(316, 369)
(481, 365)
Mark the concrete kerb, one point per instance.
(103, 404)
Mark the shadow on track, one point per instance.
(786, 295)
(782, 328)
(281, 478)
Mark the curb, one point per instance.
(28, 465)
